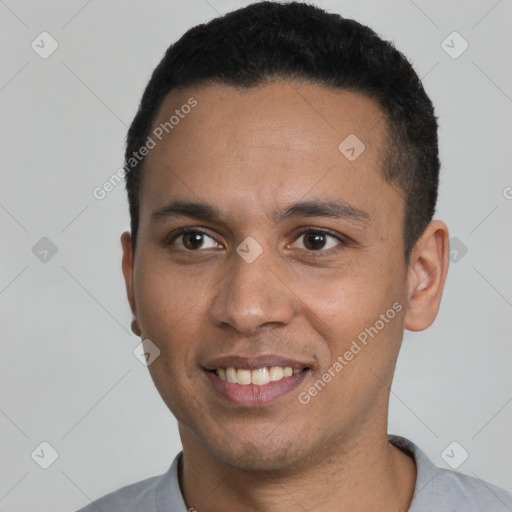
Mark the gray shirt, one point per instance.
(436, 490)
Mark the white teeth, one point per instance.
(230, 375)
(243, 377)
(276, 373)
(259, 377)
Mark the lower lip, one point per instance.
(251, 395)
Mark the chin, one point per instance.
(257, 458)
(260, 452)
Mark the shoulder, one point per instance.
(467, 493)
(445, 490)
(133, 497)
(149, 495)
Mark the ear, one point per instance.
(426, 276)
(128, 267)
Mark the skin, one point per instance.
(251, 152)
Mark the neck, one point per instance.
(366, 474)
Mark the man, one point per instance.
(282, 175)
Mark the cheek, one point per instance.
(344, 305)
(166, 296)
(170, 306)
(347, 314)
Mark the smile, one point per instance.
(242, 387)
(258, 377)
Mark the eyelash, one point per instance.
(343, 241)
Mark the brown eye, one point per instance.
(317, 240)
(191, 240)
(314, 241)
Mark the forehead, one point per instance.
(272, 143)
(264, 109)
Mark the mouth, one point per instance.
(257, 377)
(254, 382)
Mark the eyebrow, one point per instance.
(336, 209)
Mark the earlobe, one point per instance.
(135, 328)
(128, 269)
(427, 272)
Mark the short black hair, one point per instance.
(268, 40)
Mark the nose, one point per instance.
(252, 295)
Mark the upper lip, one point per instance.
(254, 362)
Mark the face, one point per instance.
(292, 249)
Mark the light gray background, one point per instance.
(68, 375)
